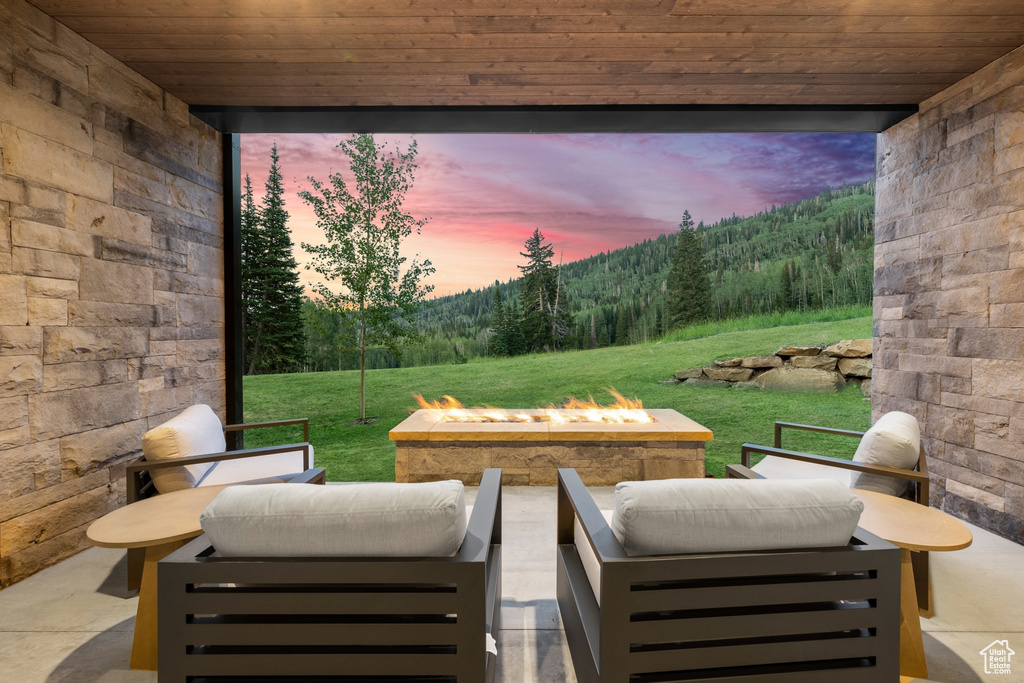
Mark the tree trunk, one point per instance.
(362, 365)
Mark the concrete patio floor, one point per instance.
(73, 622)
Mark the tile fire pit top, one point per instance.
(668, 425)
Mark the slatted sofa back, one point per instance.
(413, 619)
(823, 614)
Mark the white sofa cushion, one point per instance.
(676, 516)
(357, 520)
(895, 441)
(257, 469)
(194, 431)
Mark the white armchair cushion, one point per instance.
(356, 520)
(678, 516)
(895, 441)
(195, 431)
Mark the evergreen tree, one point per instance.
(786, 291)
(499, 332)
(515, 339)
(536, 292)
(275, 336)
(283, 335)
(543, 300)
(253, 251)
(833, 256)
(689, 292)
(621, 326)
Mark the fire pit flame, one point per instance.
(573, 410)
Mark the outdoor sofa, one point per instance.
(794, 614)
(227, 607)
(890, 459)
(190, 450)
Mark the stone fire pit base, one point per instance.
(535, 463)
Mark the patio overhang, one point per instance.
(121, 252)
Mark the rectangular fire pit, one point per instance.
(529, 453)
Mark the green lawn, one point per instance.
(363, 453)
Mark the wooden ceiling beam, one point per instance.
(869, 61)
(559, 24)
(486, 81)
(718, 43)
(393, 8)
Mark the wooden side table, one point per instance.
(911, 526)
(161, 525)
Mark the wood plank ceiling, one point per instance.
(549, 52)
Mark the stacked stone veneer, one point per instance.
(111, 279)
(949, 290)
(536, 463)
(823, 368)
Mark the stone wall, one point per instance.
(824, 368)
(949, 290)
(111, 279)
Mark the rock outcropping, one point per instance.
(826, 368)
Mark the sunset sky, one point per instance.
(485, 194)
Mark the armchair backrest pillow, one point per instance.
(894, 440)
(194, 431)
(357, 520)
(678, 516)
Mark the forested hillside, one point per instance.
(813, 254)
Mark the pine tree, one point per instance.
(689, 291)
(786, 294)
(498, 339)
(282, 335)
(253, 252)
(515, 339)
(273, 322)
(535, 292)
(621, 326)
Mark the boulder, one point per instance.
(729, 374)
(865, 388)
(801, 379)
(855, 367)
(798, 351)
(728, 362)
(692, 373)
(814, 362)
(850, 348)
(703, 383)
(761, 362)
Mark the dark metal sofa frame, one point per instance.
(917, 491)
(347, 619)
(139, 484)
(793, 616)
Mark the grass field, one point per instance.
(363, 453)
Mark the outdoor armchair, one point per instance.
(797, 614)
(190, 450)
(788, 464)
(409, 618)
